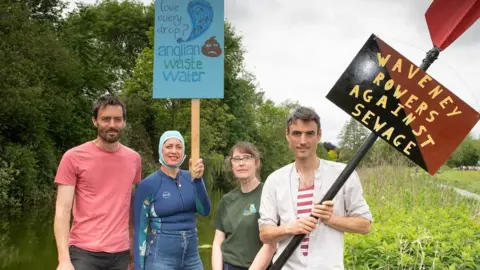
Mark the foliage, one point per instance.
(322, 152)
(272, 143)
(7, 176)
(351, 137)
(417, 225)
(466, 154)
(42, 10)
(329, 146)
(384, 153)
(332, 155)
(107, 37)
(42, 113)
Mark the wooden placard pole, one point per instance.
(195, 151)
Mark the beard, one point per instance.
(109, 138)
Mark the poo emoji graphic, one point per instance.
(211, 48)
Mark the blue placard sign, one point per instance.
(188, 49)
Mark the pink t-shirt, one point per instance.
(103, 187)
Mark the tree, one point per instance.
(241, 94)
(383, 154)
(466, 154)
(329, 146)
(42, 112)
(108, 37)
(322, 152)
(272, 142)
(351, 137)
(49, 11)
(476, 145)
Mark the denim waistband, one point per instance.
(183, 233)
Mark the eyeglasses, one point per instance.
(237, 160)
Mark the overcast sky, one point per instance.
(298, 51)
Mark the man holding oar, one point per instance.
(289, 196)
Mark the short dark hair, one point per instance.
(109, 99)
(304, 114)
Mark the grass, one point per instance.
(467, 180)
(417, 225)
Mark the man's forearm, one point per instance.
(61, 230)
(271, 234)
(349, 224)
(263, 258)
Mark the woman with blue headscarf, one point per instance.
(165, 205)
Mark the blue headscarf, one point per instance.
(168, 135)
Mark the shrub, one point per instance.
(417, 225)
(7, 174)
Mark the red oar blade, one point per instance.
(449, 19)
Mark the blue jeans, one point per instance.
(172, 250)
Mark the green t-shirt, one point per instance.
(237, 217)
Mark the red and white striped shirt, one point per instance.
(304, 209)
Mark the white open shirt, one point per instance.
(279, 204)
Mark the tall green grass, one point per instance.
(417, 225)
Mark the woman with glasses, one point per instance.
(237, 244)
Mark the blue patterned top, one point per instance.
(163, 203)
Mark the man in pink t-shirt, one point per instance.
(95, 180)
